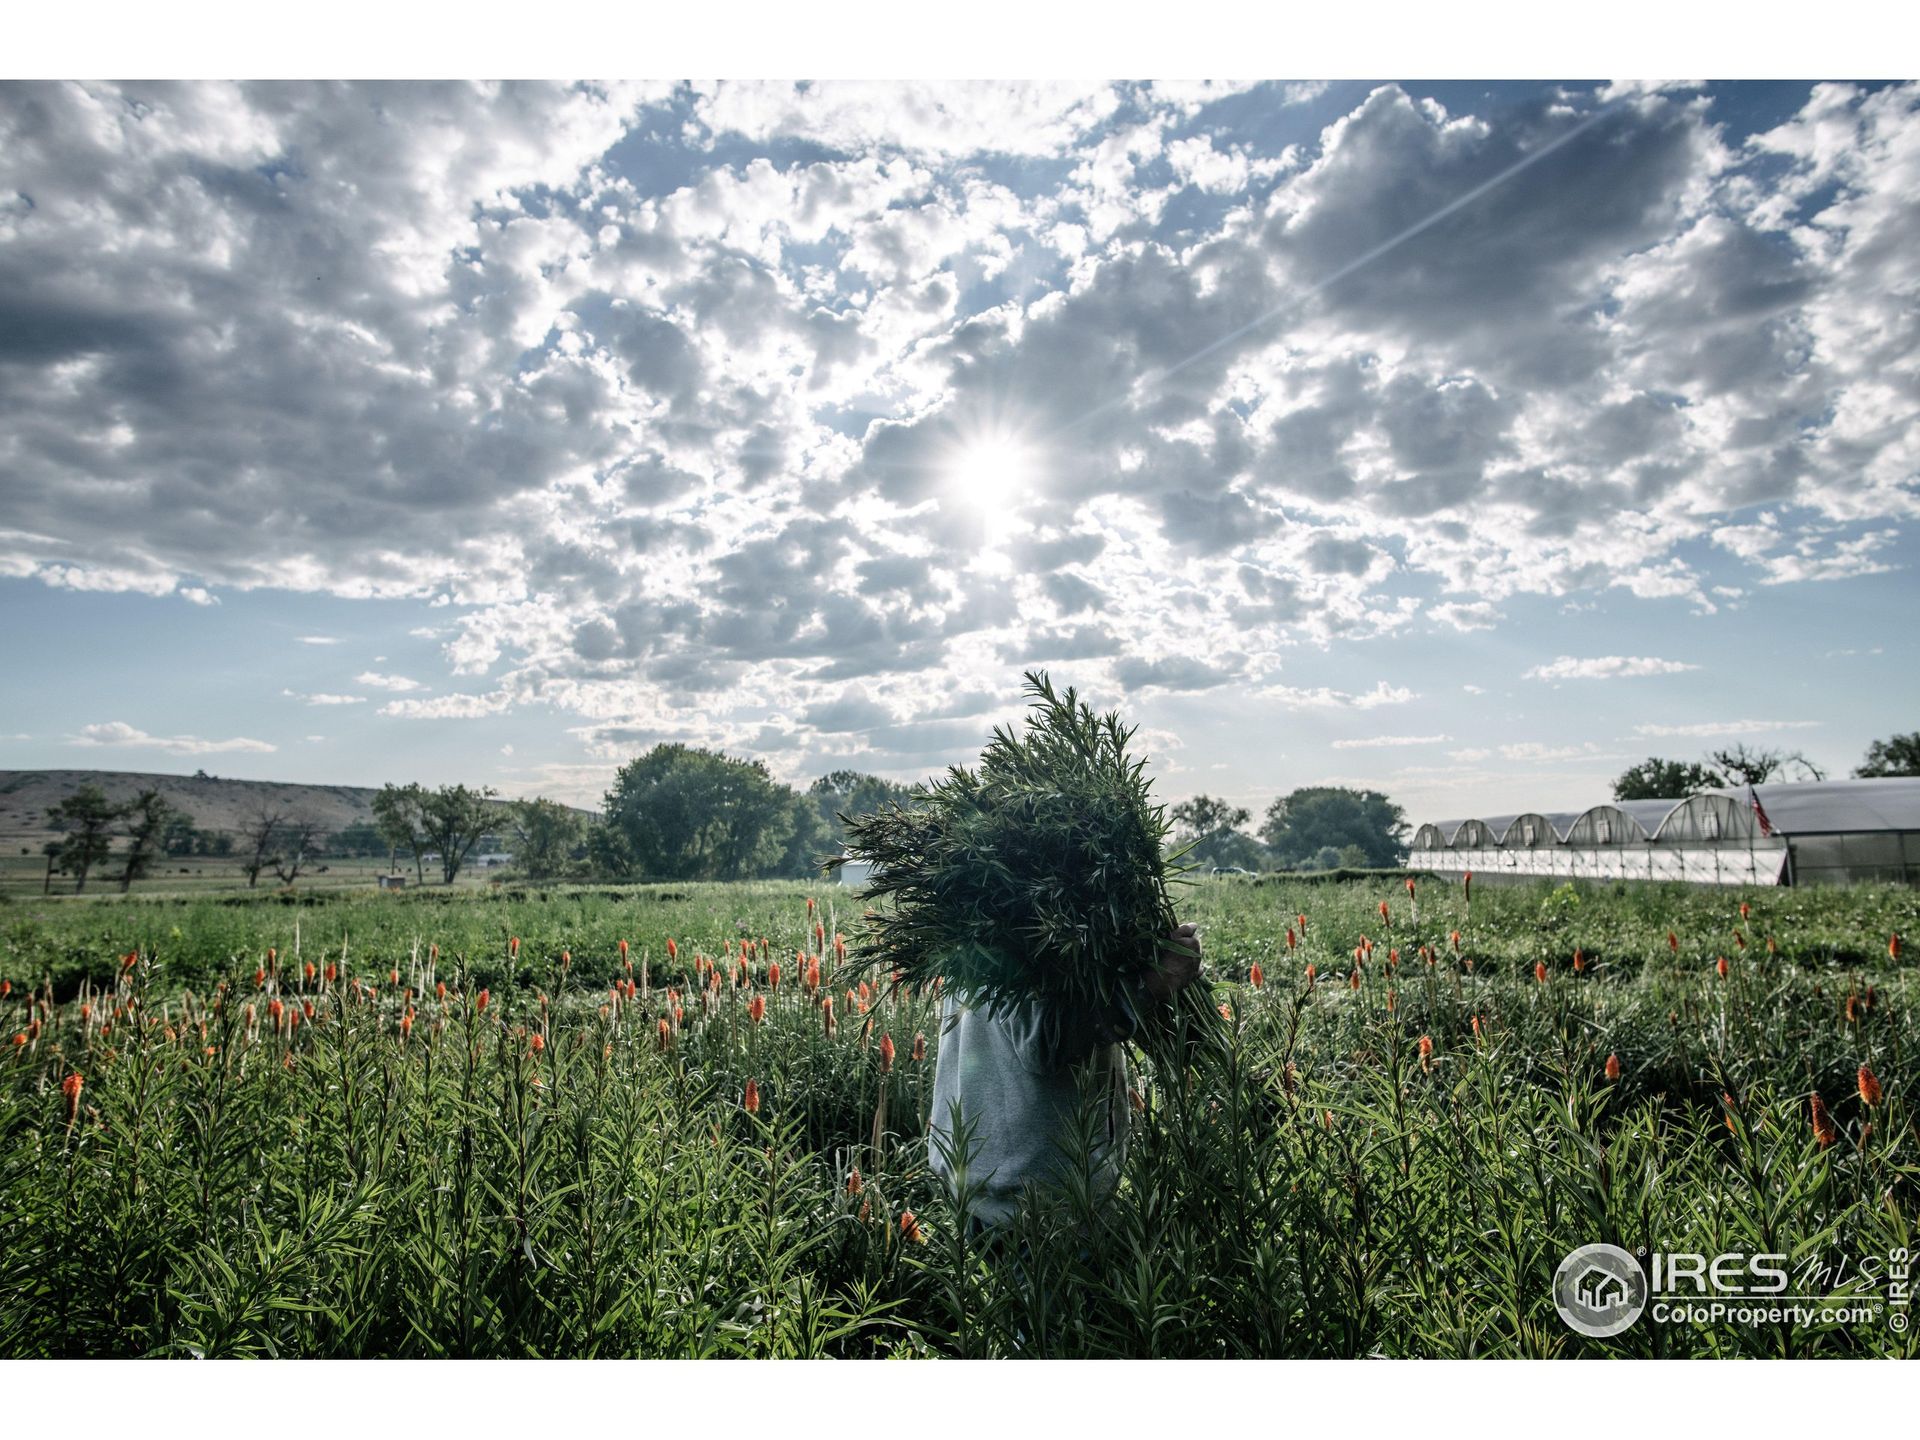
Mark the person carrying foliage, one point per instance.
(1034, 890)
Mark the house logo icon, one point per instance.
(1599, 1290)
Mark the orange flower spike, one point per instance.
(1613, 1067)
(1353, 981)
(773, 974)
(440, 990)
(1290, 941)
(309, 972)
(1301, 921)
(393, 977)
(538, 1042)
(1476, 1028)
(260, 977)
(673, 950)
(1893, 947)
(665, 1033)
(809, 905)
(480, 1000)
(406, 1027)
(757, 1009)
(20, 1039)
(1726, 1102)
(854, 1183)
(919, 1045)
(886, 1052)
(1454, 936)
(1745, 910)
(333, 973)
(1579, 962)
(1720, 967)
(1540, 971)
(1870, 1092)
(70, 1087)
(750, 1102)
(910, 1228)
(1824, 1130)
(1739, 939)
(1426, 1052)
(513, 947)
(1311, 972)
(1673, 942)
(1409, 885)
(1772, 949)
(566, 959)
(1255, 977)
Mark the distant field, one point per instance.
(23, 876)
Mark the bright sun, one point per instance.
(991, 474)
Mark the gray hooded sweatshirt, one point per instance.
(1016, 1076)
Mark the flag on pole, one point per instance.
(1759, 811)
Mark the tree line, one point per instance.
(1658, 779)
(1317, 827)
(674, 813)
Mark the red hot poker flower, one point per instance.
(1824, 1130)
(886, 1052)
(1613, 1067)
(751, 1100)
(1255, 977)
(1870, 1093)
(919, 1045)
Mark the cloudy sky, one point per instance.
(1465, 440)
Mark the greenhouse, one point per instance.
(1824, 832)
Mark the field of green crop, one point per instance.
(474, 1124)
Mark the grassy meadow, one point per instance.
(471, 1123)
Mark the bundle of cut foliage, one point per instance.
(1040, 876)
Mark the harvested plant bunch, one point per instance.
(1040, 876)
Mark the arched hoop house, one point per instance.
(1828, 832)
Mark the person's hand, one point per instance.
(1179, 964)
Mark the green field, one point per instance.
(550, 1175)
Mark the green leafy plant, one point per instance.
(1041, 876)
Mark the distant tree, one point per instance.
(259, 833)
(87, 819)
(297, 844)
(361, 838)
(1656, 779)
(815, 837)
(1298, 825)
(1744, 765)
(546, 835)
(1896, 755)
(399, 813)
(453, 818)
(1211, 831)
(608, 853)
(219, 843)
(695, 814)
(147, 820)
(853, 792)
(181, 837)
